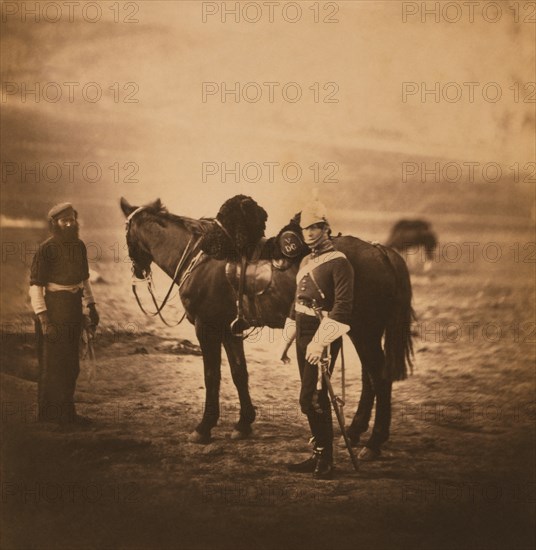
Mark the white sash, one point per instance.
(315, 262)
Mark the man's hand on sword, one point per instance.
(314, 352)
(328, 331)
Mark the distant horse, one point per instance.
(413, 234)
(382, 308)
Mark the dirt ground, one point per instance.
(457, 473)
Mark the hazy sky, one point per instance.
(364, 62)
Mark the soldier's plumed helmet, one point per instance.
(313, 212)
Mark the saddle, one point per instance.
(258, 272)
(237, 236)
(278, 253)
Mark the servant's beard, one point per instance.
(67, 234)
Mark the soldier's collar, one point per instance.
(324, 246)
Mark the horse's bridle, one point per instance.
(148, 279)
(237, 326)
(127, 230)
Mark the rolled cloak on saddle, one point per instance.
(241, 224)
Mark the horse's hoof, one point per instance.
(237, 435)
(368, 455)
(196, 437)
(353, 442)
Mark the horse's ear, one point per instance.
(296, 219)
(156, 206)
(126, 207)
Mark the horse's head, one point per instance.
(289, 244)
(139, 253)
(152, 228)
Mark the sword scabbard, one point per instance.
(324, 372)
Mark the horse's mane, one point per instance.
(198, 227)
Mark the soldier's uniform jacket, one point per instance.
(330, 283)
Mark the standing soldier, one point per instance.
(326, 280)
(59, 283)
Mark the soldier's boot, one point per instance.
(307, 466)
(324, 465)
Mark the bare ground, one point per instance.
(458, 471)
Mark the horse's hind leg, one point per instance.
(210, 339)
(234, 347)
(382, 418)
(375, 385)
(361, 420)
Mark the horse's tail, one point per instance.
(398, 336)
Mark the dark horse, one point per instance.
(408, 234)
(382, 308)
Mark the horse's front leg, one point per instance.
(234, 347)
(210, 340)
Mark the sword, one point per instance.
(335, 401)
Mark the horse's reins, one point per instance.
(148, 278)
(173, 281)
(237, 326)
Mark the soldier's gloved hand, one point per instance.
(45, 321)
(93, 314)
(314, 352)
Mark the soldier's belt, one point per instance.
(300, 308)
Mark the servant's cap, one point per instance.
(60, 210)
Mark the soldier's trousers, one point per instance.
(58, 355)
(314, 403)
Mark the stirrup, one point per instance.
(239, 325)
